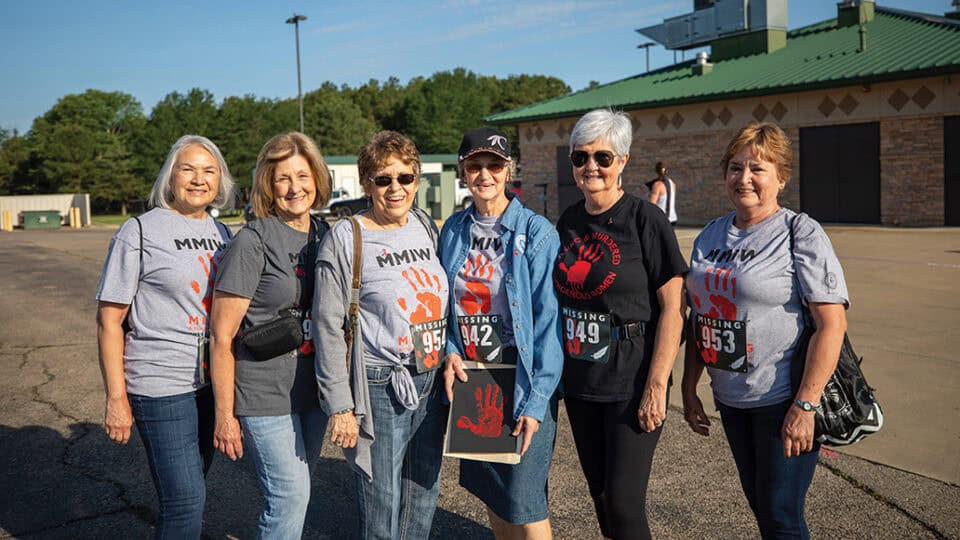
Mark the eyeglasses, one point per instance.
(474, 167)
(402, 179)
(604, 158)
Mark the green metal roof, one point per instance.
(900, 44)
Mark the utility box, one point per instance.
(41, 219)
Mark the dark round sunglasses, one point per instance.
(402, 179)
(603, 158)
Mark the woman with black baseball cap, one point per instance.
(498, 256)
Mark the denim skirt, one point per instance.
(516, 493)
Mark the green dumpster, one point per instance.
(41, 219)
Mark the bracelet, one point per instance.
(345, 411)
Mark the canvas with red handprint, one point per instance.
(481, 417)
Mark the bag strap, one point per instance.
(354, 287)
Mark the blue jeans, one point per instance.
(407, 451)
(177, 433)
(284, 449)
(775, 486)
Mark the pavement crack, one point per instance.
(880, 498)
(79, 431)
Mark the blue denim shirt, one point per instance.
(531, 245)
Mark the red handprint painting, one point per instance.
(489, 414)
(587, 256)
(481, 416)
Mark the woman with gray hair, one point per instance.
(619, 277)
(154, 299)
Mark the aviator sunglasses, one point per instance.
(402, 179)
(603, 158)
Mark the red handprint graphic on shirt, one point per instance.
(428, 306)
(211, 271)
(489, 414)
(723, 290)
(587, 256)
(477, 273)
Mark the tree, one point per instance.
(83, 144)
(519, 90)
(335, 122)
(243, 125)
(174, 116)
(438, 111)
(16, 160)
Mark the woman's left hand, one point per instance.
(527, 426)
(797, 432)
(653, 407)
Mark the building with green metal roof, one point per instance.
(871, 100)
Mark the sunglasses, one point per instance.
(603, 158)
(474, 167)
(402, 179)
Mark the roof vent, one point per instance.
(853, 12)
(955, 14)
(731, 27)
(702, 66)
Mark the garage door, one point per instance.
(840, 173)
(951, 170)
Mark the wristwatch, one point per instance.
(805, 405)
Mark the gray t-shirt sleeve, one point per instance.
(121, 269)
(818, 269)
(242, 264)
(333, 271)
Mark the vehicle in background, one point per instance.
(348, 207)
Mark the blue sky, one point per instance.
(49, 48)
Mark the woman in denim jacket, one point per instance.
(498, 256)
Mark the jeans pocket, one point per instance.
(378, 376)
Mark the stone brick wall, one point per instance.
(911, 171)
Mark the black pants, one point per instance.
(616, 456)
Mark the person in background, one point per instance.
(153, 303)
(499, 260)
(747, 319)
(619, 277)
(663, 193)
(269, 268)
(382, 394)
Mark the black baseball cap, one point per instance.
(484, 140)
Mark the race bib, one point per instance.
(482, 337)
(586, 335)
(429, 341)
(722, 343)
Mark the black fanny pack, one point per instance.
(274, 338)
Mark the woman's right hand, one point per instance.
(453, 370)
(228, 437)
(694, 414)
(118, 419)
(345, 429)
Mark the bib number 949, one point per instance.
(586, 335)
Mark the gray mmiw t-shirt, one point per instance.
(479, 288)
(403, 284)
(749, 275)
(264, 263)
(169, 297)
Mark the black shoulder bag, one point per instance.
(848, 409)
(285, 333)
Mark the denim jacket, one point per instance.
(531, 244)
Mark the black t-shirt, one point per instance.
(614, 263)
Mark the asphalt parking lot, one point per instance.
(62, 478)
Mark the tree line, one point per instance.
(104, 144)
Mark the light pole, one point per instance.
(295, 21)
(646, 46)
